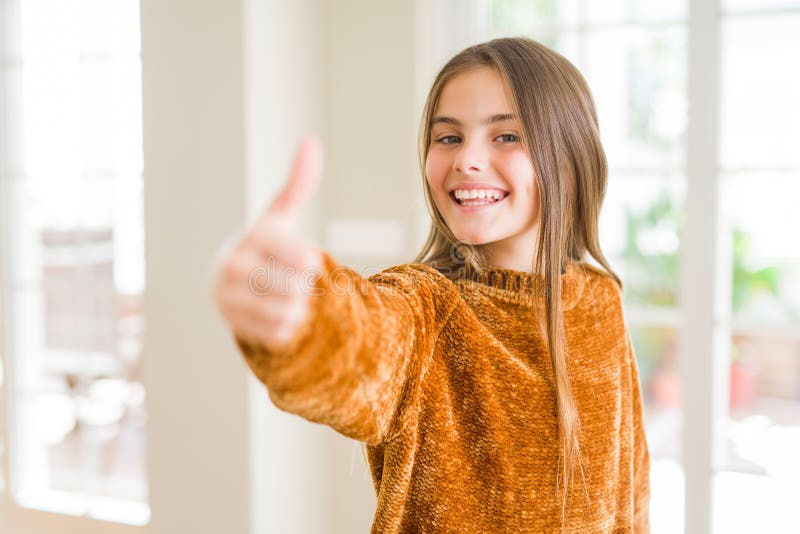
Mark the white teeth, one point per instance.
(462, 194)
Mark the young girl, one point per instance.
(493, 379)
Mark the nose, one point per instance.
(471, 158)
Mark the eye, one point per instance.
(509, 138)
(444, 140)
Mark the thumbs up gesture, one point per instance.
(263, 276)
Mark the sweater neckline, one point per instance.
(527, 287)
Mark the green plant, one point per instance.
(652, 278)
(749, 282)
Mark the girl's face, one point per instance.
(476, 151)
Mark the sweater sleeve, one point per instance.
(641, 454)
(356, 362)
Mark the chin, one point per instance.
(472, 239)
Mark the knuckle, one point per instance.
(297, 313)
(237, 268)
(275, 335)
(273, 313)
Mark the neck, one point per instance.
(516, 254)
(505, 260)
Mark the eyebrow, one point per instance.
(500, 117)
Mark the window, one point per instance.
(759, 181)
(635, 56)
(73, 252)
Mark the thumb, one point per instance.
(303, 179)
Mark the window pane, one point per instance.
(538, 21)
(763, 429)
(760, 210)
(761, 469)
(746, 5)
(759, 136)
(640, 228)
(745, 503)
(765, 380)
(513, 16)
(638, 79)
(760, 112)
(616, 11)
(106, 28)
(656, 351)
(76, 260)
(657, 358)
(509, 16)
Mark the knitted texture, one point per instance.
(451, 387)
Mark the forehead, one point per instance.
(474, 93)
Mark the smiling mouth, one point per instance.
(476, 202)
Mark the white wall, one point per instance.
(194, 192)
(288, 491)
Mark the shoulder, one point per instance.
(601, 288)
(412, 272)
(602, 305)
(599, 277)
(421, 280)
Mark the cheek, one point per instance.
(518, 170)
(436, 169)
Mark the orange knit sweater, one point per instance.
(451, 387)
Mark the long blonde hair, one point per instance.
(561, 133)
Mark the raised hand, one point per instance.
(262, 280)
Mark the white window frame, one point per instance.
(704, 296)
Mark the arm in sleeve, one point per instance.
(641, 454)
(355, 363)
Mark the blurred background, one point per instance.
(135, 135)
